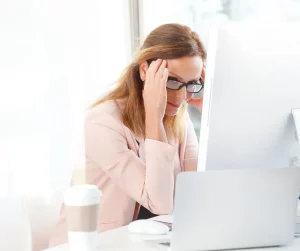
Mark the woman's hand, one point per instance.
(198, 102)
(155, 93)
(155, 100)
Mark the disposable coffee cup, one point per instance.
(82, 213)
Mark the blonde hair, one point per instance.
(168, 41)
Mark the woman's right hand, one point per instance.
(155, 100)
(155, 93)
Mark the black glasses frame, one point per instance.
(186, 84)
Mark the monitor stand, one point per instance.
(296, 115)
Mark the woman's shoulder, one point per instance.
(108, 113)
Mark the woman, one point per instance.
(139, 137)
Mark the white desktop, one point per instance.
(252, 84)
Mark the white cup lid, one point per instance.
(82, 195)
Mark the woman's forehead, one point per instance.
(185, 68)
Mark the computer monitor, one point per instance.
(252, 84)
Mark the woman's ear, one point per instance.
(143, 69)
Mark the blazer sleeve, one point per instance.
(191, 147)
(150, 183)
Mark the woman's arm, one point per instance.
(150, 183)
(191, 148)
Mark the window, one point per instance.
(56, 58)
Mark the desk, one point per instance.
(121, 240)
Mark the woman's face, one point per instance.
(184, 69)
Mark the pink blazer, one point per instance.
(130, 170)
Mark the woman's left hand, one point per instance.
(198, 102)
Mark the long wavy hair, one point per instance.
(168, 41)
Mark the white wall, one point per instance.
(56, 57)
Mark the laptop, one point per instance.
(234, 209)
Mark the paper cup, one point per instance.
(82, 213)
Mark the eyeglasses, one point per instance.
(191, 87)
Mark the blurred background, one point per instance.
(58, 56)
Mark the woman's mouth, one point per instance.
(174, 105)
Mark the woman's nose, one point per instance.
(181, 94)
